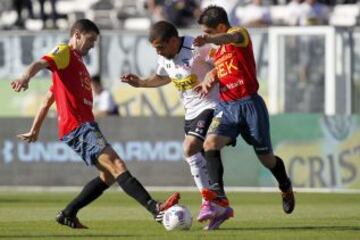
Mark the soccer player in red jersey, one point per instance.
(72, 93)
(240, 109)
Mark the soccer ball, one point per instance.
(177, 217)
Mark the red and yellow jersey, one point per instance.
(236, 69)
(71, 88)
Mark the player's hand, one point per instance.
(131, 79)
(28, 137)
(210, 79)
(201, 89)
(20, 84)
(200, 40)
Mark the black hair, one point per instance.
(162, 31)
(212, 16)
(96, 79)
(84, 26)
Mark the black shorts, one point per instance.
(198, 126)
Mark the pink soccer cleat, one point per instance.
(207, 212)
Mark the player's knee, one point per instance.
(107, 178)
(210, 144)
(190, 148)
(112, 162)
(119, 167)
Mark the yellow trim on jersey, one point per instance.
(243, 32)
(60, 55)
(211, 53)
(186, 83)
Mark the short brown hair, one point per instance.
(84, 26)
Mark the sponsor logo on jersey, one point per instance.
(183, 84)
(230, 86)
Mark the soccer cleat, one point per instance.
(72, 222)
(211, 196)
(207, 212)
(218, 220)
(168, 203)
(288, 200)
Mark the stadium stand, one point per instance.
(133, 14)
(345, 15)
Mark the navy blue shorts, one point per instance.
(87, 141)
(248, 117)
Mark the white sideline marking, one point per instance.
(173, 188)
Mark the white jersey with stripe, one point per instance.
(187, 69)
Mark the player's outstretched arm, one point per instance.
(23, 82)
(150, 82)
(33, 134)
(220, 38)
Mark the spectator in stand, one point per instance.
(181, 13)
(19, 6)
(313, 13)
(230, 7)
(104, 103)
(156, 10)
(293, 12)
(53, 14)
(255, 14)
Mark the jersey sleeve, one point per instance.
(160, 69)
(58, 58)
(244, 33)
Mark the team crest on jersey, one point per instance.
(178, 76)
(212, 52)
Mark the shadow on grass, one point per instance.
(65, 236)
(297, 228)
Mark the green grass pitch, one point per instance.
(30, 215)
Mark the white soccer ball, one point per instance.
(177, 217)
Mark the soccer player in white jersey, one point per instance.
(186, 66)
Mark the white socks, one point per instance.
(198, 170)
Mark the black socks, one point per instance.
(91, 191)
(133, 188)
(279, 173)
(216, 171)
